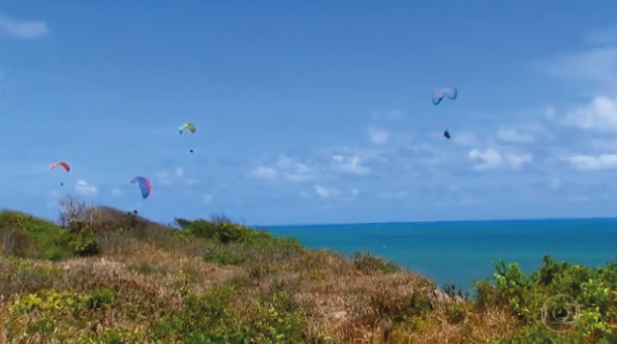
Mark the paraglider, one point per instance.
(188, 126)
(450, 92)
(62, 164)
(438, 95)
(144, 186)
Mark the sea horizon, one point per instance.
(549, 219)
(462, 252)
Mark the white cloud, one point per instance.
(514, 136)
(603, 37)
(295, 171)
(377, 135)
(22, 29)
(82, 187)
(600, 115)
(351, 195)
(191, 182)
(325, 192)
(516, 161)
(464, 138)
(265, 172)
(287, 169)
(493, 159)
(350, 164)
(590, 163)
(207, 199)
(116, 192)
(331, 193)
(598, 65)
(168, 178)
(489, 158)
(606, 145)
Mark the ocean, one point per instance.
(463, 252)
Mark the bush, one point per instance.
(84, 244)
(224, 256)
(221, 232)
(555, 288)
(202, 319)
(276, 317)
(47, 239)
(370, 264)
(30, 237)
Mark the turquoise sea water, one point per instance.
(462, 252)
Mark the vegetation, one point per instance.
(105, 276)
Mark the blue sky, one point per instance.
(311, 113)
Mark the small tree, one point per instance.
(75, 210)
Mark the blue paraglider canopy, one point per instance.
(144, 186)
(450, 92)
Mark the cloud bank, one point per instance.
(22, 29)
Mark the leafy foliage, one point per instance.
(38, 238)
(220, 231)
(588, 300)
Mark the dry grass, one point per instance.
(340, 301)
(144, 282)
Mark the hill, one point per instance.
(106, 276)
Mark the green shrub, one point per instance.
(114, 336)
(583, 299)
(49, 240)
(224, 256)
(221, 232)
(277, 317)
(47, 237)
(208, 318)
(456, 313)
(100, 298)
(368, 263)
(84, 244)
(54, 253)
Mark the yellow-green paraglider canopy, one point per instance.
(188, 126)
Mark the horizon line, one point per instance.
(438, 221)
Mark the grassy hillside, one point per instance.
(106, 276)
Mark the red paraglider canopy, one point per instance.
(63, 164)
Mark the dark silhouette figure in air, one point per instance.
(190, 150)
(61, 184)
(446, 134)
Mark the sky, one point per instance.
(311, 112)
